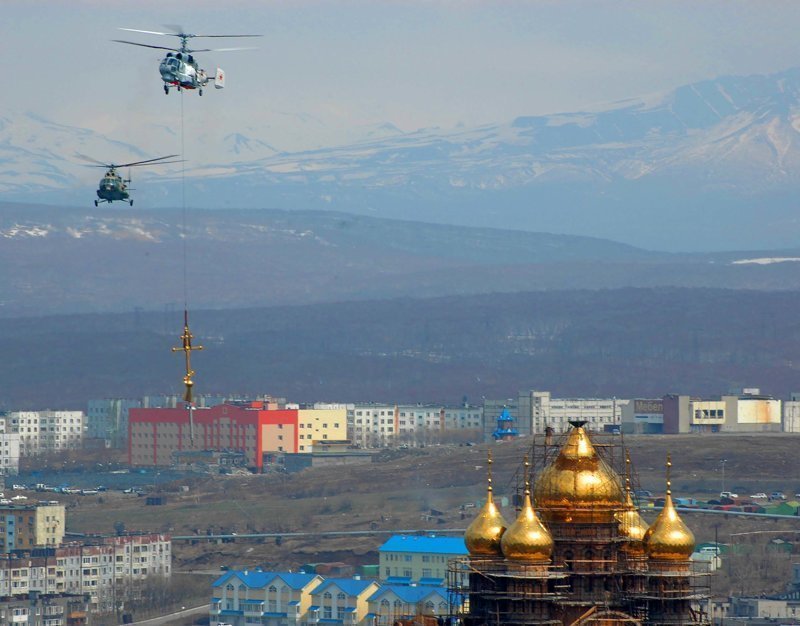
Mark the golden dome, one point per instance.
(578, 486)
(669, 539)
(631, 524)
(527, 539)
(484, 533)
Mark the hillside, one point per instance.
(625, 343)
(101, 260)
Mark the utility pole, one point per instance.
(722, 462)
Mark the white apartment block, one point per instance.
(47, 431)
(9, 450)
(379, 426)
(791, 414)
(99, 572)
(599, 413)
(534, 411)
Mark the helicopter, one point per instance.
(180, 70)
(114, 187)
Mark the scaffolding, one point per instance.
(598, 575)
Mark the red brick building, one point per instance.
(154, 434)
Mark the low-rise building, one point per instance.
(416, 559)
(287, 599)
(749, 411)
(391, 603)
(643, 416)
(258, 597)
(342, 601)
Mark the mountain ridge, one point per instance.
(669, 169)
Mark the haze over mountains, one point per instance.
(709, 166)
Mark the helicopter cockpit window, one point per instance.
(173, 62)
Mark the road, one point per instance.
(164, 619)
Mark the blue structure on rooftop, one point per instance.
(505, 427)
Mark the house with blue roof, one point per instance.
(403, 602)
(248, 597)
(418, 559)
(342, 601)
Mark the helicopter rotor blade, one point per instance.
(226, 36)
(145, 45)
(226, 49)
(149, 161)
(91, 160)
(148, 32)
(175, 28)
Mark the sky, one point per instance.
(326, 73)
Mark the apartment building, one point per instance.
(418, 559)
(24, 527)
(254, 428)
(107, 418)
(44, 610)
(380, 425)
(9, 449)
(47, 431)
(791, 414)
(101, 572)
(535, 411)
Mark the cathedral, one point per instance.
(578, 552)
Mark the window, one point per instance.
(340, 596)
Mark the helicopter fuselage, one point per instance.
(112, 188)
(181, 70)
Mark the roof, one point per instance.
(350, 586)
(425, 544)
(408, 594)
(257, 579)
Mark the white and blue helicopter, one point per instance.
(179, 68)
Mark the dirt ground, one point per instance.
(399, 490)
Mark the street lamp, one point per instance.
(722, 463)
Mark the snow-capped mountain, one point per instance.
(663, 171)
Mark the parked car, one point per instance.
(759, 496)
(642, 493)
(728, 494)
(777, 495)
